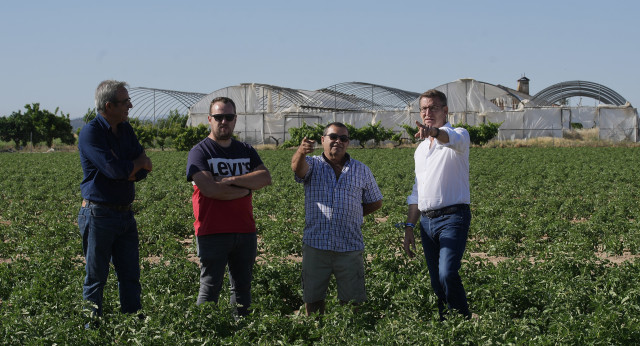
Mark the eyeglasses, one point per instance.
(125, 101)
(333, 137)
(433, 108)
(227, 117)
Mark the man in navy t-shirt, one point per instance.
(224, 172)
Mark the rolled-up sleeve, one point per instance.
(413, 197)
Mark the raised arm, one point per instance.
(431, 131)
(298, 163)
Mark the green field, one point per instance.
(551, 258)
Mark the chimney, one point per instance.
(523, 85)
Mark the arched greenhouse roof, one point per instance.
(468, 95)
(343, 97)
(152, 104)
(366, 96)
(560, 91)
(465, 96)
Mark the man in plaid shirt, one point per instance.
(339, 191)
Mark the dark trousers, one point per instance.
(444, 239)
(238, 250)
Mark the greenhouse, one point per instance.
(267, 112)
(541, 115)
(154, 104)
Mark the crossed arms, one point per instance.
(228, 188)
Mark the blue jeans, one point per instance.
(444, 239)
(110, 236)
(238, 250)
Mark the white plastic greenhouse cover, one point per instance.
(470, 101)
(468, 95)
(265, 113)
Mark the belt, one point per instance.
(117, 207)
(443, 211)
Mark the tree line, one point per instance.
(37, 125)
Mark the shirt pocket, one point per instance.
(351, 191)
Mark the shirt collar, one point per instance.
(104, 123)
(346, 155)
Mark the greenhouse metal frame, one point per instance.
(266, 112)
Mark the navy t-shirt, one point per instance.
(218, 216)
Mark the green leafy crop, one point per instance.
(551, 257)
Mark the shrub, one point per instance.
(376, 132)
(190, 137)
(298, 133)
(482, 133)
(411, 132)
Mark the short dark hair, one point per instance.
(224, 100)
(434, 94)
(336, 124)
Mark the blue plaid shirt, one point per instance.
(333, 207)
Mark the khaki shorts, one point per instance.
(347, 267)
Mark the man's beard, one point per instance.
(219, 135)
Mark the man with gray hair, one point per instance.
(112, 160)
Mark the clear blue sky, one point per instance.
(56, 52)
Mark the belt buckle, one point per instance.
(122, 208)
(430, 213)
(451, 209)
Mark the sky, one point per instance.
(56, 52)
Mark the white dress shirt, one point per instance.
(442, 171)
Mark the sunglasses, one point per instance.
(333, 137)
(227, 117)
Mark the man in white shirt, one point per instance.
(440, 201)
